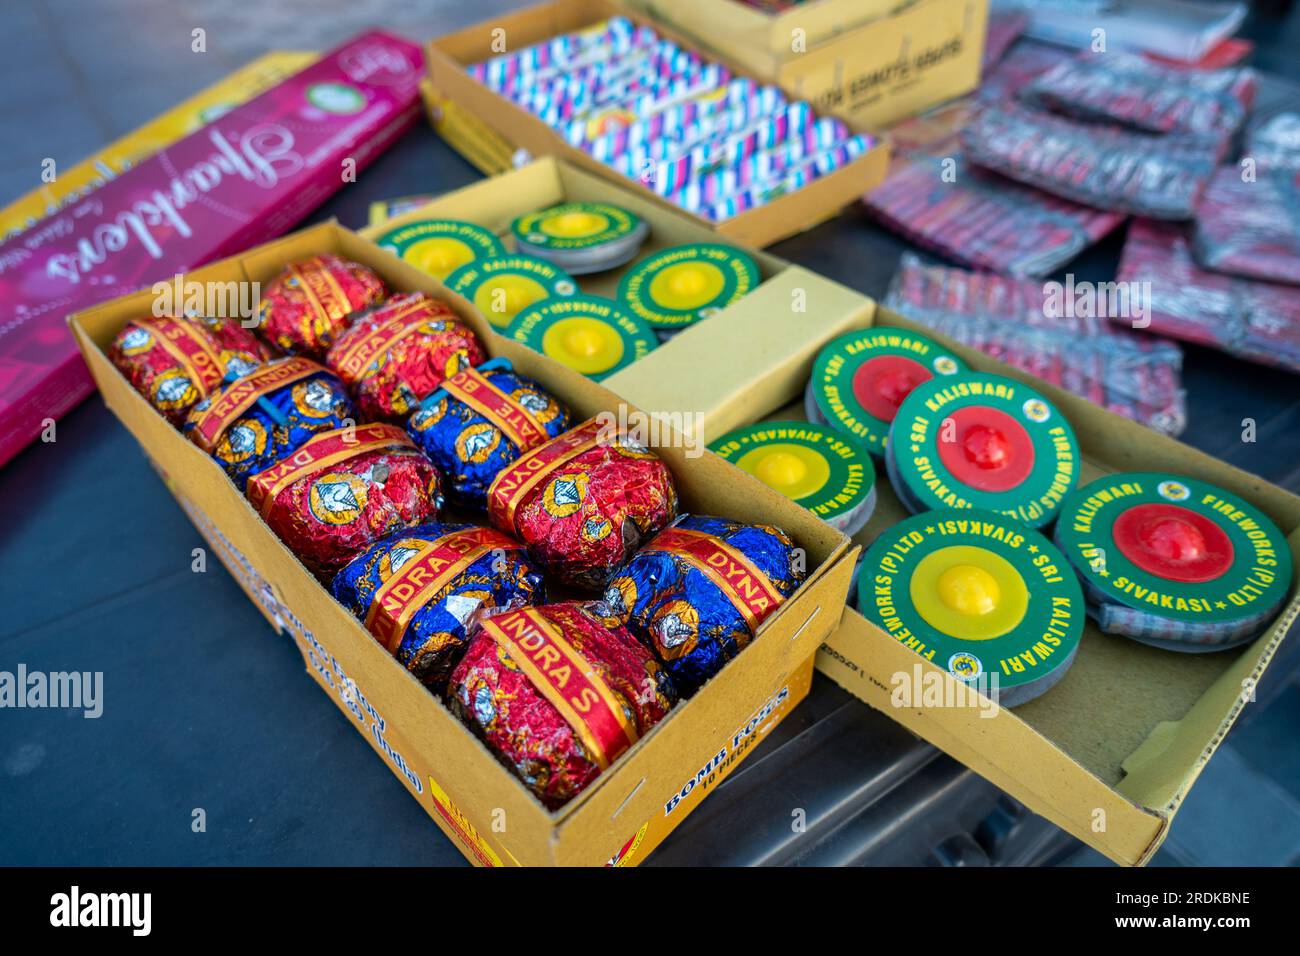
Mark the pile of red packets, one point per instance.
(1058, 149)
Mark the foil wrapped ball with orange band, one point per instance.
(254, 421)
(344, 489)
(398, 353)
(557, 695)
(306, 307)
(698, 591)
(584, 502)
(481, 421)
(419, 591)
(175, 363)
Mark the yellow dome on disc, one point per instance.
(585, 345)
(504, 296)
(574, 225)
(969, 592)
(794, 470)
(439, 256)
(687, 285)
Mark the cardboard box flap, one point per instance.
(1156, 772)
(1053, 783)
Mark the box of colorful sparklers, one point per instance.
(589, 82)
(1066, 601)
(557, 623)
(598, 277)
(867, 62)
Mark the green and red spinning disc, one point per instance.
(1173, 561)
(973, 440)
(860, 378)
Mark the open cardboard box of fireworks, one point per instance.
(602, 88)
(1102, 733)
(723, 285)
(654, 778)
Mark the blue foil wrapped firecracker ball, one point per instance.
(421, 591)
(480, 421)
(254, 421)
(698, 591)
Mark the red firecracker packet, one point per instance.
(1259, 321)
(1131, 90)
(984, 220)
(1055, 331)
(517, 685)
(1161, 177)
(583, 502)
(1249, 224)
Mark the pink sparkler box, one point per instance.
(247, 177)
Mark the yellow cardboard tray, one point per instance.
(475, 800)
(1110, 753)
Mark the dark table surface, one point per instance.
(206, 708)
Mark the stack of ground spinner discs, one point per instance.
(441, 246)
(590, 334)
(677, 287)
(859, 379)
(978, 594)
(824, 470)
(982, 441)
(504, 286)
(1174, 562)
(581, 237)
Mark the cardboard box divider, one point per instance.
(867, 61)
(634, 804)
(1108, 754)
(449, 56)
(724, 337)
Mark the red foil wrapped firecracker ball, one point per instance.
(582, 503)
(177, 362)
(343, 490)
(558, 696)
(307, 305)
(399, 353)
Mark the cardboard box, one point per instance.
(110, 162)
(723, 340)
(872, 62)
(473, 797)
(493, 115)
(252, 173)
(1108, 754)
